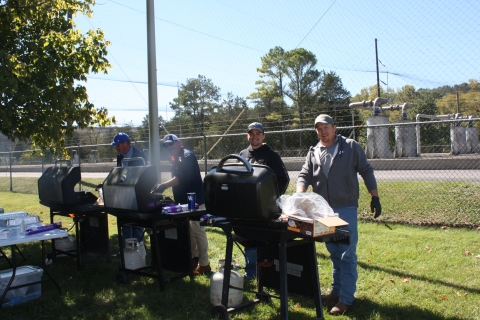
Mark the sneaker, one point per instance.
(194, 263)
(202, 269)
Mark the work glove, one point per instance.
(159, 188)
(376, 207)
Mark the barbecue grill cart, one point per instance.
(56, 191)
(169, 244)
(127, 195)
(245, 195)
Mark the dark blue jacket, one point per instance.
(185, 169)
(135, 163)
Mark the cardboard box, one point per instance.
(23, 275)
(314, 228)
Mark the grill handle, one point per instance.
(234, 167)
(68, 163)
(132, 159)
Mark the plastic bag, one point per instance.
(305, 204)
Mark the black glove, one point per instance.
(376, 207)
(159, 188)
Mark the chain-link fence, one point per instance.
(446, 150)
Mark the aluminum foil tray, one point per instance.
(16, 221)
(14, 214)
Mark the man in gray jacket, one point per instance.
(331, 168)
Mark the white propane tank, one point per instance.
(134, 254)
(235, 297)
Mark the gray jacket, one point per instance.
(341, 188)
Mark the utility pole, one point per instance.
(378, 77)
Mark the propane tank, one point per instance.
(134, 254)
(235, 297)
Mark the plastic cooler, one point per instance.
(23, 275)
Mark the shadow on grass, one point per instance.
(416, 277)
(93, 293)
(366, 309)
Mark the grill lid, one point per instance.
(241, 190)
(57, 184)
(129, 188)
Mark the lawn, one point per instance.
(406, 271)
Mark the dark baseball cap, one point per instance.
(325, 119)
(257, 126)
(168, 139)
(119, 138)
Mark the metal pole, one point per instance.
(11, 182)
(378, 77)
(152, 88)
(458, 104)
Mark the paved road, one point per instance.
(381, 175)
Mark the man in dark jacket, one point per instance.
(332, 168)
(121, 143)
(261, 153)
(186, 178)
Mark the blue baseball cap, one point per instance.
(119, 138)
(255, 126)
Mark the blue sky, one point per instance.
(422, 43)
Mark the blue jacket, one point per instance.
(185, 169)
(136, 154)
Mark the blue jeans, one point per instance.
(132, 232)
(250, 263)
(344, 258)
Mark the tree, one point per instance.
(300, 69)
(42, 58)
(333, 98)
(270, 90)
(144, 129)
(197, 99)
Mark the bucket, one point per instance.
(235, 297)
(134, 254)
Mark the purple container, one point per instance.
(172, 209)
(191, 201)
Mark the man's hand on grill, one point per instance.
(159, 188)
(376, 207)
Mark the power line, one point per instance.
(316, 23)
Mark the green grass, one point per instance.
(406, 270)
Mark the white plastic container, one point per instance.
(64, 244)
(23, 275)
(235, 297)
(134, 254)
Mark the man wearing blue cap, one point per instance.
(121, 143)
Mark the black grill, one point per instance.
(241, 191)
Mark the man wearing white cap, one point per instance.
(332, 168)
(186, 178)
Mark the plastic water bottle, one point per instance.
(23, 227)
